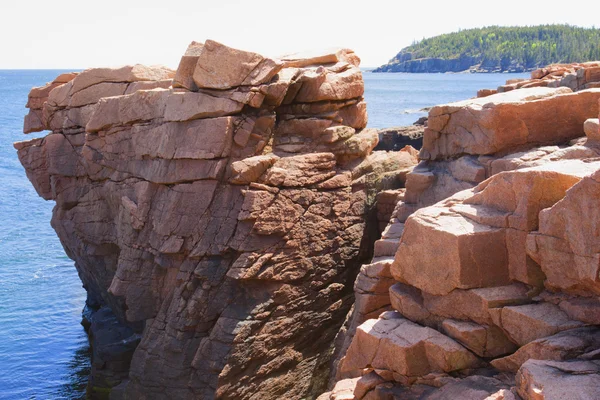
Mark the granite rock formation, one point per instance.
(577, 76)
(239, 238)
(493, 277)
(217, 215)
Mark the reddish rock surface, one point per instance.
(218, 211)
(505, 122)
(497, 258)
(220, 214)
(576, 76)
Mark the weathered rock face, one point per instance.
(568, 235)
(404, 62)
(220, 215)
(576, 76)
(496, 264)
(495, 216)
(503, 123)
(547, 380)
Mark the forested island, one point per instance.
(498, 49)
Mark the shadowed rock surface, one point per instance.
(394, 139)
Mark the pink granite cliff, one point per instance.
(239, 238)
(217, 215)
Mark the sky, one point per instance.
(83, 34)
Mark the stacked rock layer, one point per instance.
(218, 211)
(576, 76)
(494, 282)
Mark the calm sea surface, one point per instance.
(43, 349)
(396, 99)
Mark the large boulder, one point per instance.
(222, 67)
(462, 242)
(394, 344)
(568, 235)
(507, 122)
(455, 255)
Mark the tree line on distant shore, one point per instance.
(531, 46)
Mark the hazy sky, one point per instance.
(82, 34)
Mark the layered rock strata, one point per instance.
(218, 211)
(493, 288)
(577, 76)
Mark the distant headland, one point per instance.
(498, 49)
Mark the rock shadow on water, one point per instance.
(79, 369)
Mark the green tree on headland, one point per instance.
(505, 48)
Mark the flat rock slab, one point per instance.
(319, 57)
(529, 322)
(128, 73)
(404, 348)
(550, 380)
(563, 346)
(222, 67)
(503, 122)
(483, 340)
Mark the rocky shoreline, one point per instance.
(405, 62)
(242, 234)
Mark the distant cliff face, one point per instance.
(404, 62)
(218, 211)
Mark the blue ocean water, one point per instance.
(396, 99)
(44, 352)
(43, 347)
